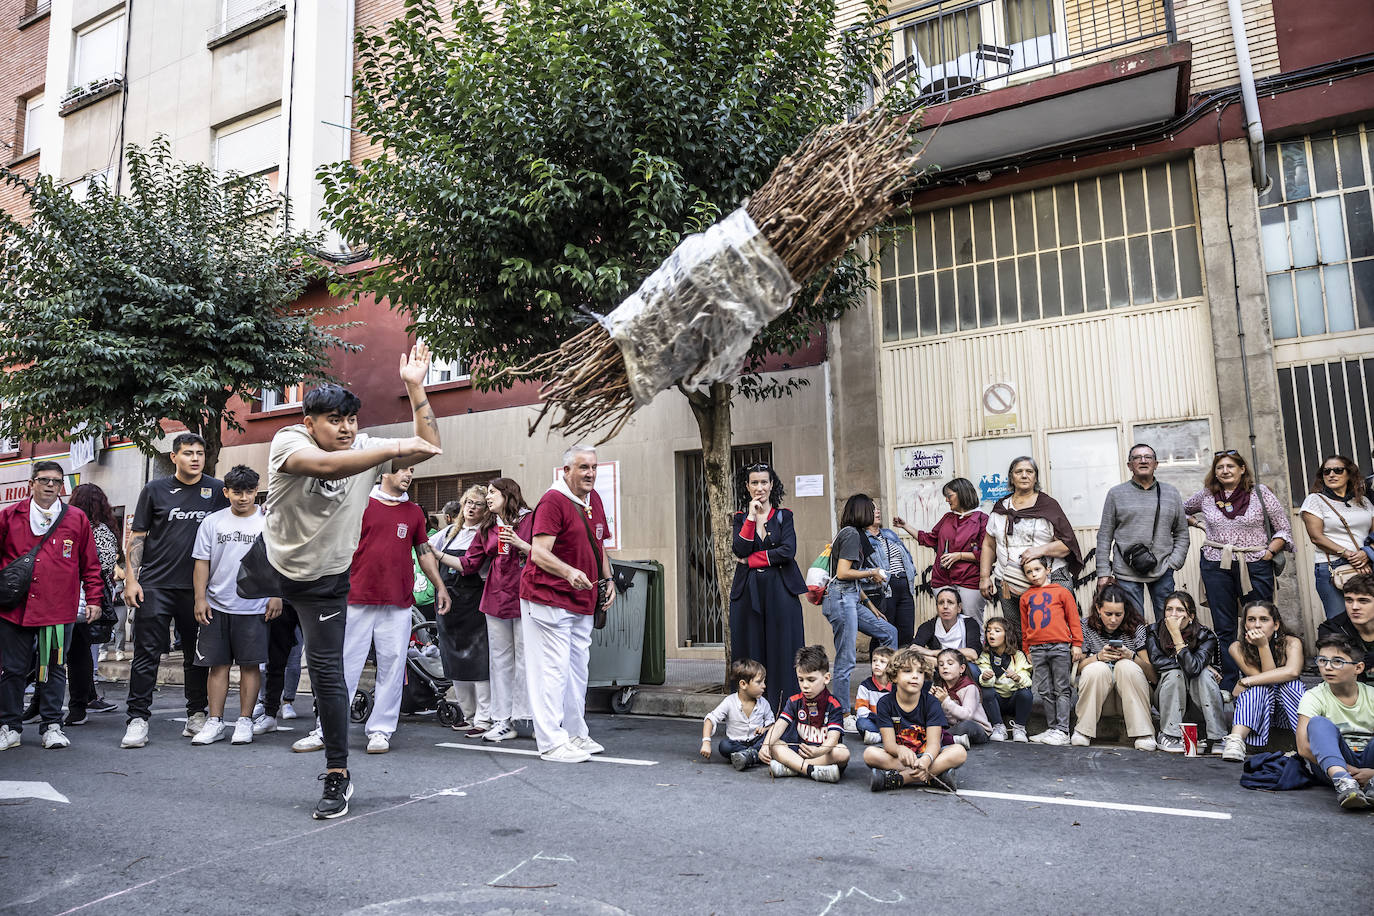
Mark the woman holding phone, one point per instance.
(1114, 662)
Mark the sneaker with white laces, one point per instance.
(1232, 749)
(263, 724)
(210, 732)
(378, 743)
(338, 789)
(876, 738)
(1146, 743)
(1052, 737)
(1078, 739)
(8, 738)
(999, 732)
(566, 753)
(53, 737)
(259, 709)
(311, 742)
(243, 731)
(1018, 733)
(885, 780)
(779, 771)
(585, 742)
(851, 725)
(962, 741)
(1169, 744)
(194, 723)
(501, 731)
(828, 772)
(288, 711)
(1348, 792)
(135, 734)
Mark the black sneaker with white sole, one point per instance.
(338, 789)
(884, 780)
(743, 760)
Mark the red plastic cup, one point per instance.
(1189, 739)
(504, 548)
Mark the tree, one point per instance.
(121, 312)
(539, 158)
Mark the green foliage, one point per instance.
(540, 157)
(122, 312)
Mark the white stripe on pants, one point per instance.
(387, 627)
(557, 645)
(509, 696)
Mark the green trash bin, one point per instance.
(617, 651)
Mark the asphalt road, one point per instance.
(434, 829)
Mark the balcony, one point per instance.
(241, 17)
(942, 50)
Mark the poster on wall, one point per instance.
(988, 460)
(1084, 464)
(921, 472)
(608, 488)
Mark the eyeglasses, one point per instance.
(1335, 664)
(1228, 453)
(48, 481)
(1142, 457)
(1330, 471)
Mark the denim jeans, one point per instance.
(848, 617)
(1333, 601)
(1051, 664)
(1224, 598)
(728, 746)
(1330, 750)
(998, 707)
(1160, 589)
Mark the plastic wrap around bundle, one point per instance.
(694, 318)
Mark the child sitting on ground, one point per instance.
(1336, 723)
(805, 740)
(1005, 681)
(1053, 637)
(745, 714)
(960, 699)
(912, 725)
(870, 692)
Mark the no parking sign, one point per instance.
(999, 406)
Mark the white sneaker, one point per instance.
(1147, 743)
(1233, 749)
(962, 741)
(104, 655)
(8, 738)
(119, 655)
(1018, 733)
(287, 711)
(194, 723)
(566, 753)
(828, 772)
(311, 742)
(1080, 740)
(851, 725)
(873, 738)
(210, 732)
(585, 743)
(263, 724)
(243, 731)
(999, 732)
(1052, 737)
(377, 743)
(501, 731)
(53, 737)
(779, 771)
(259, 710)
(136, 734)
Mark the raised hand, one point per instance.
(415, 366)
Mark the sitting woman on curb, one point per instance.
(1270, 660)
(1114, 661)
(1188, 660)
(950, 628)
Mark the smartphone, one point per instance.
(1116, 643)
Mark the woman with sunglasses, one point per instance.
(1246, 528)
(1337, 517)
(765, 615)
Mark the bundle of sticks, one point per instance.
(838, 185)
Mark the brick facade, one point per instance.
(23, 62)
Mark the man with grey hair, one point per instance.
(560, 590)
(1144, 519)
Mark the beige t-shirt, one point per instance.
(312, 525)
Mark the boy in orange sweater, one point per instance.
(1053, 637)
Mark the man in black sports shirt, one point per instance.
(159, 582)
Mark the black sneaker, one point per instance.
(338, 789)
(75, 717)
(743, 760)
(102, 705)
(944, 781)
(882, 780)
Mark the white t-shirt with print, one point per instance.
(223, 538)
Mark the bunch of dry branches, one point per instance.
(839, 184)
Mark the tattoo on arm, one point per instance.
(428, 417)
(423, 550)
(420, 406)
(135, 558)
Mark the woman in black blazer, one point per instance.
(765, 615)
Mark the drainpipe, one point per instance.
(1254, 129)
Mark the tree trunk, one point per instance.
(712, 412)
(213, 434)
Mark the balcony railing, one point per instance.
(239, 15)
(946, 49)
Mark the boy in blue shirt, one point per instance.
(805, 739)
(912, 726)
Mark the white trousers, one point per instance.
(557, 646)
(474, 698)
(509, 696)
(387, 627)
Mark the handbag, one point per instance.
(1280, 561)
(1340, 575)
(1141, 557)
(605, 588)
(17, 575)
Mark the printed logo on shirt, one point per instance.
(67, 549)
(243, 537)
(1039, 604)
(912, 736)
(401, 530)
(182, 515)
(601, 532)
(204, 492)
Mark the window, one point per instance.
(1318, 234)
(446, 370)
(99, 52)
(1115, 241)
(431, 493)
(1328, 408)
(288, 396)
(33, 124)
(249, 148)
(8, 444)
(82, 186)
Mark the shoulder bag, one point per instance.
(1141, 557)
(1340, 575)
(604, 587)
(17, 576)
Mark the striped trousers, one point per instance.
(1255, 708)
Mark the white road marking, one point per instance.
(43, 790)
(596, 758)
(1083, 803)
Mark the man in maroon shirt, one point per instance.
(558, 596)
(66, 563)
(379, 602)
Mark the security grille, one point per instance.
(1327, 409)
(706, 616)
(430, 493)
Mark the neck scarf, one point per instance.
(1331, 494)
(379, 493)
(1047, 508)
(1234, 505)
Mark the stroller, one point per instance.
(425, 683)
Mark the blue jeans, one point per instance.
(1225, 599)
(1330, 750)
(997, 707)
(1333, 601)
(728, 746)
(1160, 589)
(848, 617)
